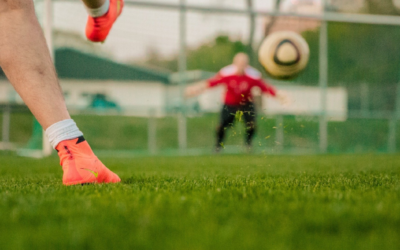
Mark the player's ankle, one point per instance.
(100, 11)
(63, 131)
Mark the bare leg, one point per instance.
(93, 3)
(26, 61)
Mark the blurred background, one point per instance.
(127, 94)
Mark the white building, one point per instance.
(94, 84)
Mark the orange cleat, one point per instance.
(81, 166)
(97, 28)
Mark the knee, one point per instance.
(12, 5)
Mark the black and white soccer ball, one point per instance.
(284, 54)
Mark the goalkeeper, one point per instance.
(238, 79)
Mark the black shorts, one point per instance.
(232, 113)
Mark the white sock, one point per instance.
(61, 131)
(101, 11)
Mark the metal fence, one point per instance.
(171, 30)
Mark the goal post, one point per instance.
(48, 33)
(34, 147)
(39, 146)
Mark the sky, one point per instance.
(139, 30)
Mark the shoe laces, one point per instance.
(101, 21)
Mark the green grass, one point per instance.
(210, 202)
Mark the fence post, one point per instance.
(252, 18)
(6, 126)
(182, 130)
(48, 33)
(392, 135)
(323, 83)
(393, 123)
(364, 95)
(279, 133)
(152, 132)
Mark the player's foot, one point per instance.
(81, 166)
(249, 148)
(97, 28)
(217, 150)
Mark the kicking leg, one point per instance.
(94, 4)
(26, 62)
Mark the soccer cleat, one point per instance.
(97, 28)
(81, 166)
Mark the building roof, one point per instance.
(191, 76)
(74, 64)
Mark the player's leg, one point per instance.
(227, 119)
(94, 4)
(26, 61)
(250, 116)
(102, 15)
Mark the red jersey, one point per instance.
(238, 87)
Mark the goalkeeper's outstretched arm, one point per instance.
(280, 95)
(196, 89)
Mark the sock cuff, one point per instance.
(61, 131)
(98, 12)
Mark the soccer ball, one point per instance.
(284, 54)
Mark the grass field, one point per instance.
(209, 202)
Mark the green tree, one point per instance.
(381, 7)
(211, 56)
(358, 53)
(215, 55)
